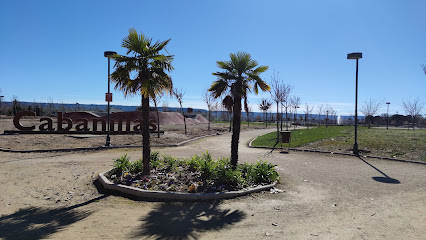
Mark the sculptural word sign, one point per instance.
(81, 126)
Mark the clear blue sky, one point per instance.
(54, 49)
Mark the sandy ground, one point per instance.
(52, 195)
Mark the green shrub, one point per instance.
(136, 166)
(194, 163)
(263, 172)
(207, 168)
(155, 161)
(121, 164)
(170, 162)
(225, 175)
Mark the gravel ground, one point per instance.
(52, 196)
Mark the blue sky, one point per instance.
(54, 49)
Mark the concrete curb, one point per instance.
(344, 154)
(101, 147)
(137, 192)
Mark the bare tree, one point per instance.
(369, 108)
(276, 95)
(295, 104)
(319, 112)
(179, 93)
(328, 110)
(248, 111)
(279, 93)
(157, 100)
(227, 104)
(307, 111)
(210, 101)
(413, 108)
(265, 105)
(165, 106)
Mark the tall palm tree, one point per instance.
(144, 72)
(235, 82)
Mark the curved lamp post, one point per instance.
(108, 54)
(356, 56)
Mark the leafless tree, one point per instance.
(210, 101)
(307, 111)
(179, 93)
(329, 111)
(165, 106)
(413, 108)
(279, 93)
(227, 104)
(248, 111)
(265, 105)
(320, 112)
(276, 95)
(156, 100)
(295, 104)
(369, 108)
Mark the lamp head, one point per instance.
(356, 55)
(109, 53)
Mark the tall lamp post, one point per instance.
(387, 116)
(356, 56)
(108, 97)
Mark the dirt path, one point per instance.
(326, 197)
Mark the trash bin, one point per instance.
(285, 136)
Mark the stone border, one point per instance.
(137, 192)
(338, 153)
(102, 147)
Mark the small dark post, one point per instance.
(108, 54)
(387, 116)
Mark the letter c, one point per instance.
(19, 116)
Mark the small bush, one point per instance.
(225, 175)
(194, 163)
(170, 162)
(121, 164)
(136, 166)
(155, 161)
(263, 172)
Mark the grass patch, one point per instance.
(396, 143)
(302, 137)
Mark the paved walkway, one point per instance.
(326, 197)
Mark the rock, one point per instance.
(47, 198)
(274, 224)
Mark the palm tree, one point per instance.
(143, 72)
(235, 82)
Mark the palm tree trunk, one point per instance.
(146, 148)
(235, 130)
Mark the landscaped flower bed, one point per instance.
(199, 174)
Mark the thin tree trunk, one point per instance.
(278, 127)
(184, 121)
(209, 121)
(236, 130)
(146, 148)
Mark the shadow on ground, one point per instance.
(385, 179)
(40, 222)
(183, 220)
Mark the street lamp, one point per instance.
(387, 116)
(108, 54)
(356, 56)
